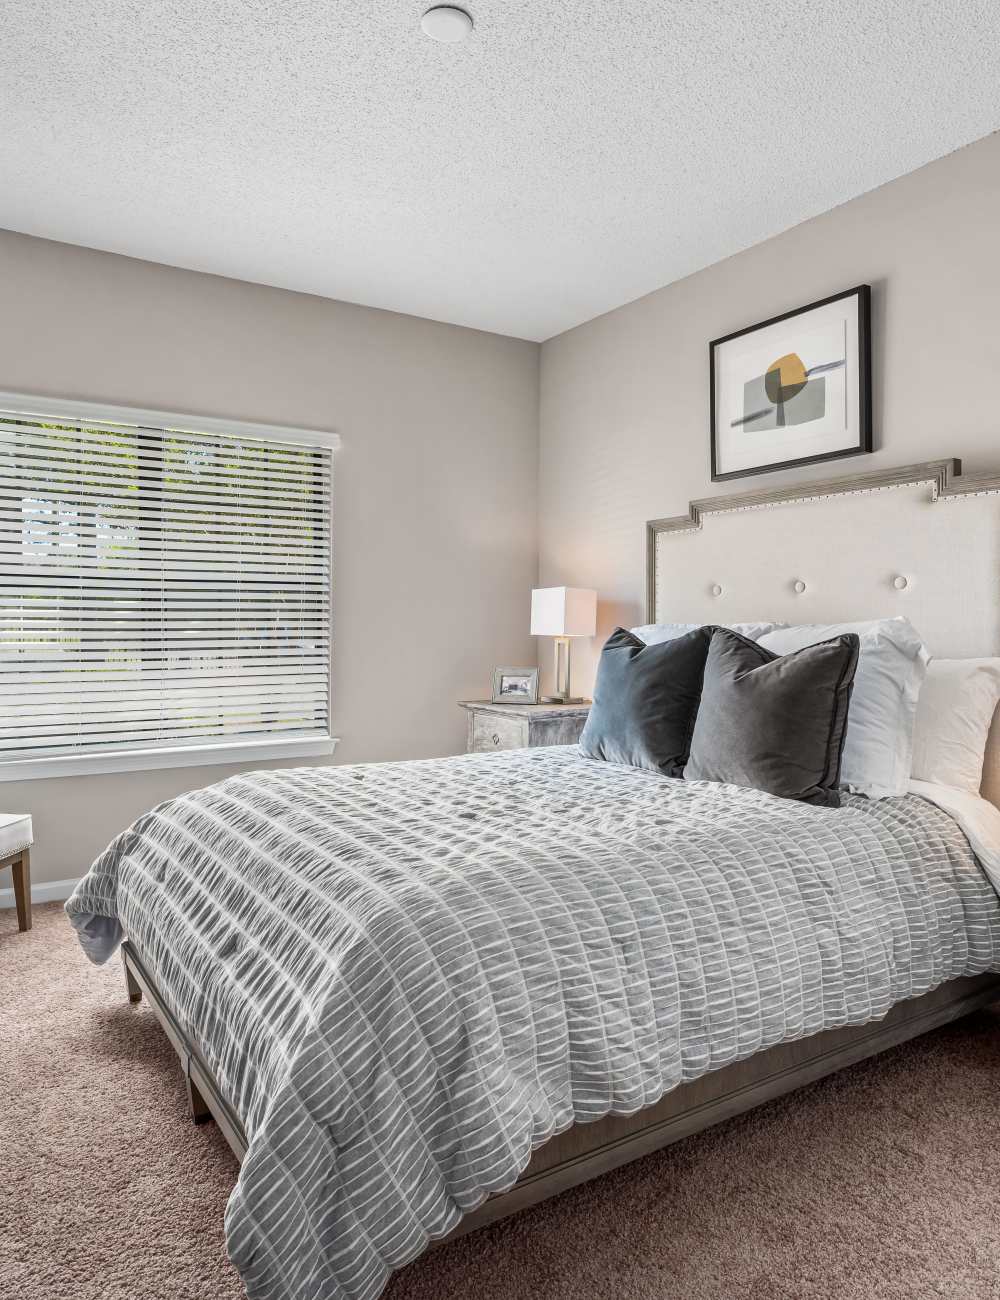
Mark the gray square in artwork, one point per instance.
(759, 412)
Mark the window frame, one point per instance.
(231, 752)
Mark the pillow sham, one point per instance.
(891, 667)
(774, 722)
(645, 701)
(954, 712)
(654, 633)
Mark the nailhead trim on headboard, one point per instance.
(944, 477)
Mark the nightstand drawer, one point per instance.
(491, 731)
(493, 727)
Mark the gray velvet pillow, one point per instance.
(645, 701)
(774, 722)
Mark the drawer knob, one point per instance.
(496, 739)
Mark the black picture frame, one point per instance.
(864, 377)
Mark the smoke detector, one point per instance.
(446, 23)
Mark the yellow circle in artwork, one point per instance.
(785, 377)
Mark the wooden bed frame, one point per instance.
(904, 541)
(589, 1150)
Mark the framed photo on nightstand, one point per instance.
(515, 686)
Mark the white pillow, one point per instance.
(654, 633)
(954, 712)
(892, 664)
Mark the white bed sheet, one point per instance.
(978, 818)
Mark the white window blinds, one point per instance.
(162, 591)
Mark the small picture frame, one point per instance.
(515, 686)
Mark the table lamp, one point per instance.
(562, 612)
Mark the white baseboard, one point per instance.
(46, 891)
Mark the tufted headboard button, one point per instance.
(799, 586)
(900, 583)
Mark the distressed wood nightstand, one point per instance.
(516, 726)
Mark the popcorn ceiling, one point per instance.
(566, 158)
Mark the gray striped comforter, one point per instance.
(407, 976)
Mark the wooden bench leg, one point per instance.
(131, 983)
(21, 871)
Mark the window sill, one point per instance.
(144, 760)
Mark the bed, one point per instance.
(420, 996)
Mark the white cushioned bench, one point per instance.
(15, 845)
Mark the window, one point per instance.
(164, 590)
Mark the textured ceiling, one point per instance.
(568, 157)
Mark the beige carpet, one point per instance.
(883, 1181)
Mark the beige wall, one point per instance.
(624, 398)
(435, 508)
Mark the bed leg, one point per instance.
(131, 983)
(200, 1113)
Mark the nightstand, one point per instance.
(516, 726)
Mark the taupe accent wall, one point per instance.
(435, 509)
(624, 398)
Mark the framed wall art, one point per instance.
(794, 389)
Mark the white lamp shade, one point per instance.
(563, 611)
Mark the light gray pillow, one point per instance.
(774, 722)
(891, 670)
(654, 633)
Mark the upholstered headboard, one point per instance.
(920, 540)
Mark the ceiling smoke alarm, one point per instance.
(446, 23)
